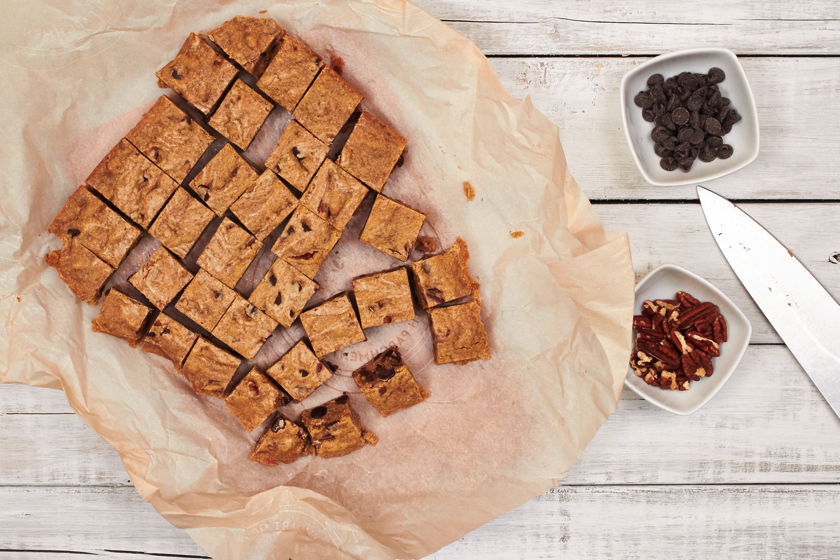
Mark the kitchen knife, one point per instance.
(799, 308)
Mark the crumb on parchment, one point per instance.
(517, 234)
(469, 191)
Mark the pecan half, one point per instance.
(680, 342)
(698, 313)
(696, 365)
(687, 301)
(642, 322)
(719, 331)
(705, 344)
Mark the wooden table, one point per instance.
(755, 473)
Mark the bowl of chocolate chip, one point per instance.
(689, 117)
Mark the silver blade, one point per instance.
(799, 308)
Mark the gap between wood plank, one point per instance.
(733, 200)
(652, 55)
(80, 553)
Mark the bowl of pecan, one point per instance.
(689, 116)
(688, 339)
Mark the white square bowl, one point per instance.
(744, 135)
(663, 283)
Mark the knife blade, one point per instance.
(799, 308)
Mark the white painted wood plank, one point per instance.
(797, 133)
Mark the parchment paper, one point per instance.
(557, 301)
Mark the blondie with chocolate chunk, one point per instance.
(332, 325)
(283, 440)
(392, 227)
(383, 298)
(254, 399)
(249, 41)
(264, 205)
(327, 105)
(244, 328)
(123, 317)
(132, 183)
(223, 179)
(388, 384)
(458, 335)
(229, 253)
(241, 114)
(205, 300)
(306, 241)
(297, 156)
(290, 72)
(181, 223)
(83, 272)
(198, 74)
(336, 429)
(283, 292)
(170, 339)
(300, 372)
(371, 151)
(161, 278)
(209, 369)
(334, 195)
(444, 277)
(170, 138)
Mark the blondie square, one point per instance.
(83, 272)
(327, 105)
(336, 429)
(392, 228)
(388, 384)
(297, 156)
(223, 179)
(332, 325)
(198, 74)
(306, 241)
(161, 278)
(283, 441)
(458, 335)
(132, 183)
(90, 222)
(444, 277)
(181, 223)
(384, 298)
(170, 138)
(334, 195)
(249, 41)
(254, 399)
(244, 328)
(170, 339)
(371, 151)
(209, 369)
(299, 372)
(205, 300)
(241, 114)
(264, 205)
(283, 292)
(229, 253)
(123, 317)
(290, 72)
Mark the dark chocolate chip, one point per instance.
(655, 80)
(694, 103)
(290, 230)
(296, 153)
(716, 75)
(673, 103)
(668, 121)
(713, 126)
(644, 100)
(715, 98)
(278, 425)
(684, 134)
(694, 121)
(303, 257)
(400, 161)
(279, 299)
(176, 75)
(384, 373)
(272, 280)
(305, 226)
(668, 164)
(697, 136)
(318, 412)
(670, 143)
(303, 373)
(714, 141)
(708, 154)
(661, 150)
(383, 390)
(648, 115)
(657, 93)
(659, 134)
(165, 330)
(725, 151)
(686, 163)
(680, 116)
(658, 109)
(72, 232)
(341, 400)
(688, 81)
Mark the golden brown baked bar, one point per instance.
(249, 41)
(209, 369)
(181, 223)
(383, 298)
(264, 205)
(283, 440)
(161, 278)
(198, 74)
(132, 183)
(458, 335)
(170, 339)
(123, 317)
(334, 195)
(444, 277)
(388, 384)
(327, 105)
(170, 138)
(254, 399)
(392, 227)
(90, 222)
(83, 272)
(300, 372)
(229, 253)
(283, 292)
(297, 156)
(205, 300)
(241, 114)
(223, 179)
(336, 429)
(306, 241)
(332, 325)
(244, 328)
(371, 151)
(290, 72)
